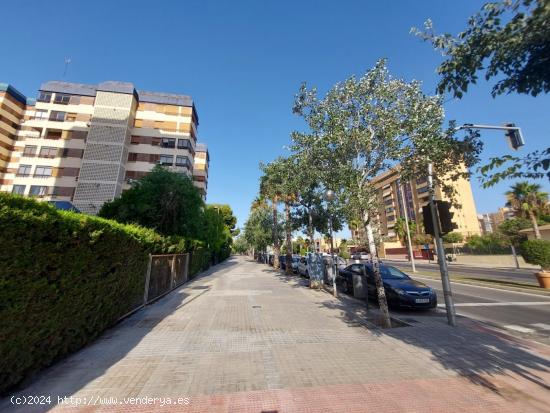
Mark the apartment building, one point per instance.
(200, 168)
(12, 109)
(396, 196)
(88, 143)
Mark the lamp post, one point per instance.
(329, 197)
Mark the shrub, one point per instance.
(453, 237)
(494, 243)
(65, 277)
(537, 251)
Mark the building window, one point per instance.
(71, 117)
(38, 190)
(166, 159)
(183, 161)
(18, 189)
(40, 114)
(30, 150)
(48, 152)
(388, 202)
(43, 171)
(45, 97)
(24, 170)
(168, 143)
(184, 144)
(57, 116)
(53, 134)
(62, 99)
(420, 181)
(424, 189)
(390, 218)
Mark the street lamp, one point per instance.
(329, 197)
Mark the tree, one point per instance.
(258, 229)
(513, 36)
(229, 220)
(453, 237)
(163, 200)
(401, 229)
(270, 189)
(362, 127)
(527, 200)
(511, 227)
(240, 245)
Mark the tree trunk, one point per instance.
(276, 246)
(311, 232)
(382, 302)
(288, 228)
(535, 225)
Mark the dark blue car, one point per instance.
(401, 290)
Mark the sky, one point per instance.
(243, 62)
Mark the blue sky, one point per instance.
(243, 61)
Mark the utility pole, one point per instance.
(407, 225)
(447, 293)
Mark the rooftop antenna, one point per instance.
(67, 62)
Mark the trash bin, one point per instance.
(359, 286)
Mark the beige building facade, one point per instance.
(397, 197)
(85, 144)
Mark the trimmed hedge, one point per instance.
(537, 251)
(65, 277)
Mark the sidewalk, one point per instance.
(247, 338)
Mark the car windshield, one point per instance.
(392, 273)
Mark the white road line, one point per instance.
(502, 290)
(519, 328)
(498, 304)
(542, 326)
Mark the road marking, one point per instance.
(498, 304)
(519, 328)
(542, 326)
(502, 290)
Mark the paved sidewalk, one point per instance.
(247, 338)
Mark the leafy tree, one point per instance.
(362, 127)
(512, 36)
(229, 220)
(240, 245)
(215, 232)
(162, 200)
(422, 239)
(401, 229)
(537, 251)
(527, 200)
(511, 227)
(258, 229)
(494, 243)
(453, 237)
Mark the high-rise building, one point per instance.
(200, 169)
(87, 143)
(395, 196)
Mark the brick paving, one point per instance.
(246, 338)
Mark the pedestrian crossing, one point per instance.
(529, 329)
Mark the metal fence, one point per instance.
(164, 273)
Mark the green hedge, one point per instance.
(537, 251)
(201, 259)
(65, 277)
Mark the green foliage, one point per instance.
(401, 228)
(165, 201)
(494, 243)
(513, 36)
(453, 237)
(258, 228)
(240, 245)
(526, 199)
(229, 220)
(65, 278)
(200, 261)
(422, 239)
(511, 227)
(537, 251)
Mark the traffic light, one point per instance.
(445, 217)
(427, 220)
(515, 140)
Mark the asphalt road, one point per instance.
(522, 314)
(524, 276)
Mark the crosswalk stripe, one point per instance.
(519, 328)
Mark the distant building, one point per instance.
(323, 245)
(414, 195)
(85, 144)
(485, 223)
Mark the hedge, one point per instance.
(65, 277)
(537, 251)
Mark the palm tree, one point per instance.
(269, 190)
(528, 201)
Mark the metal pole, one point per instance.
(407, 226)
(332, 257)
(515, 256)
(447, 293)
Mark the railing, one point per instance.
(165, 273)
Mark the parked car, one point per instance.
(401, 290)
(361, 256)
(295, 262)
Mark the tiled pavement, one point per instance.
(246, 338)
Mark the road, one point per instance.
(523, 314)
(524, 276)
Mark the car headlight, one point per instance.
(400, 291)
